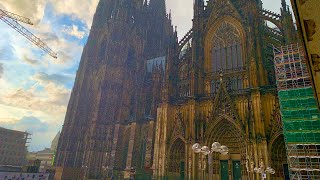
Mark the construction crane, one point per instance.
(12, 20)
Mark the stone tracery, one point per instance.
(226, 48)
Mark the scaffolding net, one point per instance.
(300, 115)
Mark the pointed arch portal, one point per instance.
(228, 133)
(176, 161)
(279, 158)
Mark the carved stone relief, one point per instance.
(316, 62)
(310, 27)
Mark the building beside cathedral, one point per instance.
(13, 149)
(142, 98)
(44, 158)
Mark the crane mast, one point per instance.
(12, 19)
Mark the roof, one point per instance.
(46, 150)
(12, 131)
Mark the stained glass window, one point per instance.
(227, 49)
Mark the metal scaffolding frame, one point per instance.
(300, 116)
(304, 161)
(290, 67)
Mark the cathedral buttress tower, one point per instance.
(106, 126)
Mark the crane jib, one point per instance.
(12, 19)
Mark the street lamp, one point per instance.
(263, 171)
(205, 150)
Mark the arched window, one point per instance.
(226, 51)
(215, 85)
(234, 83)
(177, 157)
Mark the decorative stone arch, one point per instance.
(274, 22)
(210, 35)
(214, 122)
(274, 137)
(176, 158)
(227, 131)
(271, 17)
(174, 139)
(278, 156)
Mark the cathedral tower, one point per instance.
(108, 126)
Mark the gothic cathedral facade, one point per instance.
(221, 88)
(142, 98)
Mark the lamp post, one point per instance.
(264, 171)
(205, 150)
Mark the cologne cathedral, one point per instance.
(142, 97)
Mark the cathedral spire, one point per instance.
(284, 5)
(124, 10)
(198, 7)
(290, 33)
(103, 12)
(159, 6)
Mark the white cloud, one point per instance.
(30, 61)
(57, 94)
(34, 9)
(7, 120)
(11, 114)
(74, 31)
(79, 9)
(1, 70)
(46, 97)
(31, 9)
(45, 78)
(30, 124)
(68, 51)
(45, 31)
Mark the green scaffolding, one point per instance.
(300, 115)
(299, 112)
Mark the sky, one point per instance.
(35, 88)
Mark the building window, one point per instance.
(226, 51)
(234, 83)
(215, 85)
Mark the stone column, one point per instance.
(114, 145)
(131, 143)
(148, 156)
(155, 165)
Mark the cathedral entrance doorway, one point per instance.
(279, 158)
(230, 166)
(176, 161)
(224, 170)
(236, 169)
